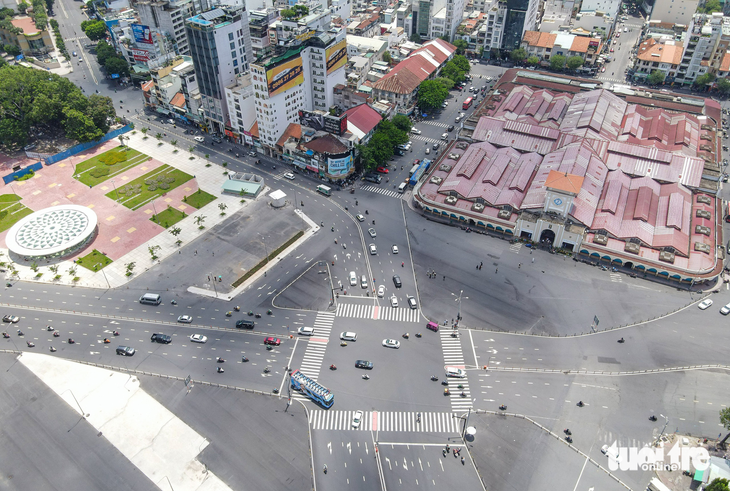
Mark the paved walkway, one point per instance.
(209, 179)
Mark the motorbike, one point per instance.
(229, 313)
(257, 315)
(567, 431)
(343, 343)
(20, 333)
(502, 407)
(116, 333)
(250, 312)
(269, 348)
(56, 334)
(49, 328)
(30, 344)
(580, 404)
(418, 334)
(71, 341)
(434, 378)
(268, 312)
(352, 191)
(173, 301)
(405, 336)
(6, 335)
(219, 359)
(333, 367)
(220, 370)
(652, 418)
(569, 439)
(52, 349)
(237, 308)
(106, 341)
(621, 340)
(244, 359)
(366, 377)
(366, 212)
(444, 382)
(463, 394)
(267, 370)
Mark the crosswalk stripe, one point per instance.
(516, 247)
(387, 192)
(454, 356)
(426, 139)
(386, 421)
(314, 353)
(377, 312)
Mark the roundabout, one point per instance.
(52, 232)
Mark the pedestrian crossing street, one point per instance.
(317, 345)
(454, 357)
(426, 139)
(321, 419)
(387, 192)
(375, 312)
(516, 247)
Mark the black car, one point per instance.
(161, 338)
(367, 365)
(396, 281)
(125, 350)
(245, 324)
(436, 146)
(450, 128)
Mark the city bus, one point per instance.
(324, 190)
(318, 393)
(467, 103)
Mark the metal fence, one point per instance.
(85, 146)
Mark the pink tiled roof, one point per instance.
(595, 114)
(363, 117)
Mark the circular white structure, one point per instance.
(52, 232)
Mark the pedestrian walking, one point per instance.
(196, 252)
(533, 260)
(519, 266)
(477, 266)
(496, 270)
(481, 263)
(208, 277)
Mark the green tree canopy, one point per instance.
(533, 60)
(104, 51)
(94, 29)
(394, 133)
(705, 79)
(656, 77)
(402, 123)
(446, 82)
(11, 49)
(574, 62)
(452, 72)
(461, 46)
(718, 484)
(431, 95)
(557, 62)
(415, 38)
(386, 56)
(117, 65)
(462, 63)
(723, 86)
(79, 126)
(518, 55)
(710, 7)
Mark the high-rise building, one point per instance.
(220, 46)
(521, 17)
(168, 19)
(303, 78)
(435, 18)
(705, 44)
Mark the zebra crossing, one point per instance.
(426, 139)
(454, 357)
(385, 191)
(317, 345)
(440, 422)
(617, 277)
(436, 123)
(516, 247)
(375, 312)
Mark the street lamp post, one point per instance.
(666, 422)
(263, 239)
(214, 287)
(458, 315)
(116, 193)
(104, 273)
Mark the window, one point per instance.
(230, 36)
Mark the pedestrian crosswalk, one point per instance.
(280, 176)
(436, 123)
(387, 192)
(460, 395)
(375, 312)
(515, 247)
(616, 277)
(440, 422)
(317, 345)
(426, 139)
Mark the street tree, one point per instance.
(386, 57)
(725, 422)
(656, 77)
(574, 62)
(533, 60)
(117, 65)
(462, 63)
(402, 123)
(78, 126)
(452, 72)
(557, 62)
(518, 55)
(11, 49)
(461, 46)
(446, 82)
(723, 86)
(431, 95)
(705, 79)
(395, 135)
(718, 484)
(415, 38)
(104, 51)
(94, 29)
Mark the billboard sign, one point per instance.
(140, 54)
(312, 119)
(337, 125)
(142, 34)
(341, 166)
(285, 76)
(336, 56)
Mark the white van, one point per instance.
(402, 187)
(363, 282)
(305, 331)
(454, 372)
(353, 278)
(348, 336)
(150, 299)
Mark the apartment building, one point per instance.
(545, 44)
(167, 19)
(220, 46)
(674, 12)
(705, 44)
(435, 18)
(173, 90)
(241, 108)
(301, 79)
(663, 54)
(521, 16)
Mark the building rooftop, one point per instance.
(653, 51)
(362, 119)
(326, 144)
(27, 24)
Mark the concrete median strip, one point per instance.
(161, 445)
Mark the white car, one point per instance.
(394, 301)
(395, 249)
(372, 233)
(381, 291)
(305, 331)
(412, 303)
(415, 131)
(725, 310)
(289, 176)
(353, 278)
(610, 452)
(11, 318)
(357, 419)
(373, 249)
(391, 343)
(705, 304)
(199, 139)
(360, 218)
(198, 338)
(348, 336)
(185, 319)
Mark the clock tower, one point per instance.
(560, 190)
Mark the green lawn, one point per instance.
(11, 213)
(199, 199)
(9, 198)
(168, 218)
(146, 188)
(108, 164)
(94, 261)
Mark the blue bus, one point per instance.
(422, 168)
(318, 393)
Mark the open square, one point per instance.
(108, 165)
